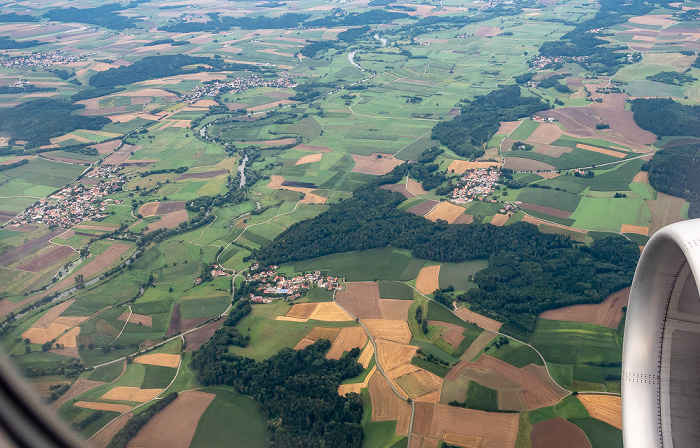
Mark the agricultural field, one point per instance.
(159, 162)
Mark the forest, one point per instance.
(676, 171)
(39, 120)
(530, 271)
(663, 116)
(480, 119)
(106, 15)
(296, 389)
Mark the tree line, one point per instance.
(676, 171)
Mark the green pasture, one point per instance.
(395, 290)
(524, 130)
(373, 264)
(204, 307)
(457, 274)
(157, 377)
(230, 416)
(516, 354)
(481, 397)
(107, 373)
(608, 214)
(600, 434)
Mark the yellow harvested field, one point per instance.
(394, 308)
(427, 281)
(274, 104)
(495, 429)
(642, 176)
(389, 329)
(482, 321)
(50, 316)
(507, 127)
(301, 311)
(276, 182)
(311, 158)
(290, 319)
(545, 134)
(548, 174)
(446, 211)
(393, 354)
(629, 228)
(70, 320)
(103, 406)
(366, 356)
(312, 198)
(68, 339)
(305, 342)
(123, 393)
(323, 333)
(499, 219)
(356, 387)
(420, 383)
(376, 163)
(415, 187)
(347, 339)
(464, 440)
(42, 335)
(159, 359)
(460, 166)
(608, 152)
(387, 406)
(329, 312)
(606, 408)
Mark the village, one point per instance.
(75, 203)
(273, 286)
(540, 62)
(235, 85)
(42, 59)
(475, 185)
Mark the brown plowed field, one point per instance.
(106, 147)
(159, 359)
(394, 308)
(460, 166)
(375, 165)
(499, 219)
(398, 188)
(423, 418)
(330, 312)
(545, 134)
(189, 324)
(207, 175)
(507, 127)
(23, 228)
(392, 330)
(548, 210)
(495, 429)
(366, 356)
(665, 210)
(464, 219)
(423, 208)
(121, 156)
(387, 406)
(558, 432)
(26, 250)
(123, 393)
(552, 151)
(174, 426)
(81, 385)
(427, 281)
(102, 438)
(474, 318)
(105, 228)
(607, 313)
(136, 319)
(420, 383)
(361, 299)
(200, 336)
(317, 333)
(606, 408)
(312, 198)
(510, 400)
(103, 406)
(453, 336)
(161, 208)
(415, 187)
(347, 339)
(55, 254)
(50, 316)
(393, 354)
(301, 310)
(446, 211)
(169, 221)
(521, 164)
(175, 325)
(487, 31)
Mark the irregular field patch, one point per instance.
(428, 279)
(361, 299)
(124, 393)
(557, 432)
(446, 211)
(460, 166)
(169, 221)
(138, 319)
(347, 339)
(394, 308)
(378, 164)
(310, 158)
(608, 313)
(389, 329)
(329, 312)
(387, 406)
(103, 406)
(159, 359)
(606, 408)
(482, 321)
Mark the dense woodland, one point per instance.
(530, 271)
(106, 15)
(676, 171)
(39, 120)
(663, 117)
(296, 389)
(479, 119)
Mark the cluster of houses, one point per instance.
(540, 119)
(475, 185)
(235, 85)
(42, 59)
(542, 61)
(104, 172)
(274, 286)
(72, 205)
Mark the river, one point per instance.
(351, 58)
(383, 40)
(241, 171)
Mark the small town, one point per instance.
(42, 59)
(235, 85)
(475, 185)
(72, 205)
(273, 285)
(542, 61)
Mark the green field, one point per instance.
(107, 373)
(374, 264)
(481, 398)
(524, 130)
(600, 434)
(457, 274)
(395, 290)
(228, 417)
(609, 214)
